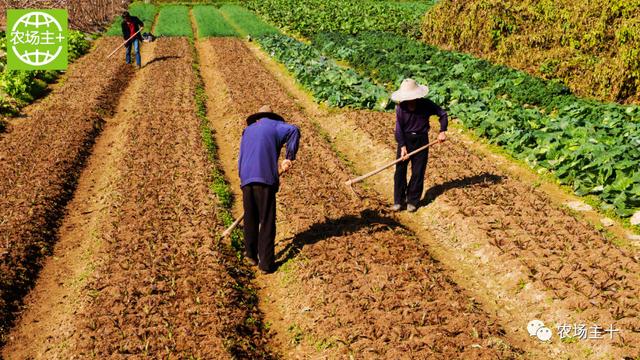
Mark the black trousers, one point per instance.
(412, 193)
(259, 201)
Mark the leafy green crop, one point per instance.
(78, 44)
(145, 12)
(592, 146)
(174, 20)
(415, 57)
(18, 87)
(592, 45)
(246, 21)
(326, 80)
(211, 22)
(307, 17)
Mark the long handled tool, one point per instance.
(124, 43)
(239, 220)
(233, 226)
(381, 169)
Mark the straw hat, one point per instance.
(409, 90)
(263, 112)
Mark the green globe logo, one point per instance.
(37, 39)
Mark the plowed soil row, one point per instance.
(45, 327)
(355, 282)
(163, 288)
(576, 263)
(40, 161)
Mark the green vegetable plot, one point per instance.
(307, 17)
(591, 146)
(327, 81)
(19, 88)
(247, 21)
(174, 20)
(211, 22)
(145, 12)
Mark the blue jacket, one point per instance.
(260, 149)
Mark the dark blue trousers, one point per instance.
(135, 44)
(411, 193)
(259, 201)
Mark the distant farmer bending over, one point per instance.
(131, 25)
(412, 132)
(262, 139)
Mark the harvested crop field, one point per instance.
(119, 185)
(580, 265)
(163, 289)
(41, 157)
(355, 281)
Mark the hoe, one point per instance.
(386, 166)
(123, 44)
(349, 183)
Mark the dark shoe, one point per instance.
(269, 270)
(412, 208)
(253, 261)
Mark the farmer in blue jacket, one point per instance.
(262, 139)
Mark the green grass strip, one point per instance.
(211, 23)
(174, 20)
(247, 21)
(146, 13)
(240, 341)
(219, 185)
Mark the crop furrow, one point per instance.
(41, 159)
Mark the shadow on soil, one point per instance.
(468, 181)
(161, 58)
(345, 225)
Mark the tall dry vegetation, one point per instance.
(594, 46)
(85, 15)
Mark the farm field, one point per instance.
(114, 203)
(41, 161)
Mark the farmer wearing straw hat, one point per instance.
(262, 139)
(130, 25)
(412, 127)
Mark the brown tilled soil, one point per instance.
(577, 264)
(502, 280)
(40, 161)
(164, 289)
(479, 208)
(150, 280)
(352, 280)
(45, 327)
(138, 271)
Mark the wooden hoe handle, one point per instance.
(238, 220)
(233, 226)
(379, 170)
(121, 45)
